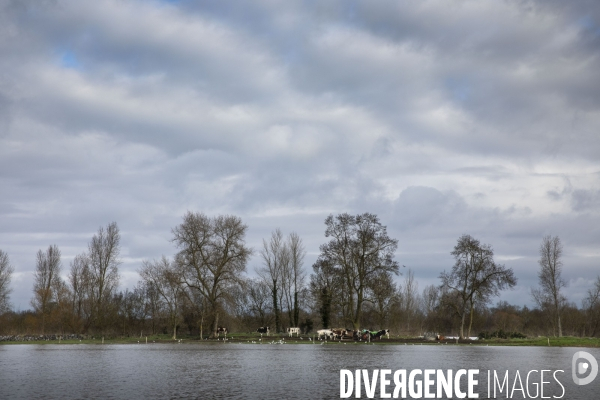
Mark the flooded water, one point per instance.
(268, 371)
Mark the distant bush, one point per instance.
(500, 334)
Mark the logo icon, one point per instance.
(582, 367)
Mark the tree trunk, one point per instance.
(325, 307)
(215, 324)
(358, 312)
(470, 322)
(275, 307)
(201, 323)
(296, 310)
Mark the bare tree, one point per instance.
(154, 304)
(359, 249)
(47, 282)
(430, 299)
(103, 253)
(292, 276)
(6, 271)
(276, 259)
(548, 295)
(591, 305)
(430, 303)
(61, 316)
(475, 278)
(79, 281)
(410, 298)
(212, 256)
(297, 253)
(254, 304)
(165, 279)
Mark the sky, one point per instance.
(442, 117)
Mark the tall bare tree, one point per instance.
(47, 282)
(164, 277)
(359, 249)
(212, 256)
(475, 278)
(297, 252)
(276, 259)
(292, 255)
(6, 271)
(103, 253)
(410, 298)
(79, 282)
(548, 295)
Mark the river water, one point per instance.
(267, 371)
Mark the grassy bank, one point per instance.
(256, 338)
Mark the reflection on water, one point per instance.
(246, 371)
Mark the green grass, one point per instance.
(565, 341)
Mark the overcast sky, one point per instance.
(441, 117)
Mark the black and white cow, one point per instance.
(380, 333)
(222, 330)
(263, 329)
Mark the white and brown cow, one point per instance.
(325, 333)
(263, 329)
(291, 331)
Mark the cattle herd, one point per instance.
(326, 334)
(358, 335)
(336, 334)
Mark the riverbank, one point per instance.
(258, 339)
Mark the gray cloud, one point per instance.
(442, 118)
(586, 200)
(419, 205)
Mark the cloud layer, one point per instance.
(441, 117)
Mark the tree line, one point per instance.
(352, 284)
